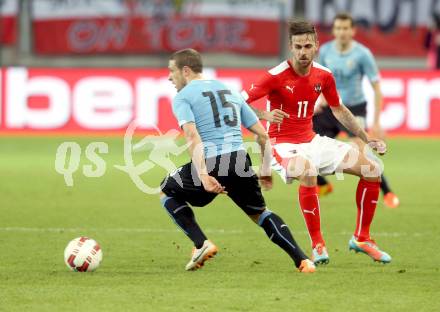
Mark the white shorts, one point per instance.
(324, 153)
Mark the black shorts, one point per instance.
(232, 170)
(326, 124)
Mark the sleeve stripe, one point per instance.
(317, 65)
(279, 68)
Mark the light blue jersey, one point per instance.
(349, 68)
(217, 112)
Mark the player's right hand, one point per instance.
(378, 145)
(276, 116)
(211, 185)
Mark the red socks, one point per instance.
(309, 203)
(367, 194)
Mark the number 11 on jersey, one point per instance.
(302, 108)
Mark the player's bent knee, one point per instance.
(254, 212)
(308, 180)
(372, 179)
(255, 217)
(263, 215)
(301, 168)
(371, 171)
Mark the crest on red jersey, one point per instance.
(318, 88)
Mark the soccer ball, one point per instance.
(83, 254)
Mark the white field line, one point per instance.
(153, 230)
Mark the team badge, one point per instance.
(318, 88)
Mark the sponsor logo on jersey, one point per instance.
(290, 88)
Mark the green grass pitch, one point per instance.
(145, 254)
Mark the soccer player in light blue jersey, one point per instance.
(349, 62)
(211, 116)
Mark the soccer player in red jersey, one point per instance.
(292, 89)
(351, 62)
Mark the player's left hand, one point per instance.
(211, 185)
(275, 116)
(378, 145)
(266, 182)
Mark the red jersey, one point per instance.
(296, 95)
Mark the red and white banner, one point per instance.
(8, 21)
(389, 28)
(146, 35)
(81, 101)
(131, 26)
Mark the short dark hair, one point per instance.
(344, 16)
(300, 27)
(190, 58)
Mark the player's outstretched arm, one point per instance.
(195, 149)
(262, 138)
(346, 118)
